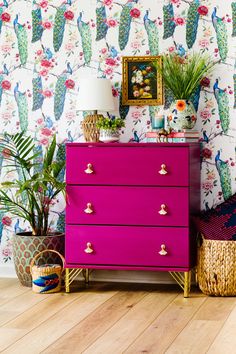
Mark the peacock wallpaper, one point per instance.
(46, 46)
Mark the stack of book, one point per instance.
(174, 137)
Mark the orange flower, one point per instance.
(180, 105)
(169, 118)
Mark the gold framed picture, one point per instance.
(142, 81)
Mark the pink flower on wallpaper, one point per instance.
(135, 13)
(110, 62)
(108, 71)
(171, 49)
(208, 185)
(7, 252)
(6, 85)
(46, 132)
(39, 52)
(205, 82)
(40, 121)
(6, 220)
(70, 116)
(103, 50)
(206, 153)
(69, 15)
(69, 46)
(6, 116)
(211, 175)
(46, 63)
(43, 72)
(43, 4)
(47, 93)
(135, 44)
(115, 92)
(6, 48)
(136, 114)
(112, 23)
(44, 141)
(6, 153)
(175, 1)
(70, 84)
(179, 21)
(204, 43)
(47, 25)
(202, 10)
(5, 17)
(205, 114)
(107, 2)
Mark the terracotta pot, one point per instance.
(182, 115)
(26, 246)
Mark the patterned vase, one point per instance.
(25, 247)
(109, 136)
(182, 115)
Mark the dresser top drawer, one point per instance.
(124, 164)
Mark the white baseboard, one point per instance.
(7, 271)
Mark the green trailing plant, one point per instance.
(110, 123)
(182, 75)
(31, 195)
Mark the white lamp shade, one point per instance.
(95, 95)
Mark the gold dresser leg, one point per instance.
(183, 280)
(71, 274)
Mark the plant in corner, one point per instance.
(39, 179)
(182, 77)
(110, 128)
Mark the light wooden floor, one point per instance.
(115, 318)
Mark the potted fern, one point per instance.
(109, 128)
(39, 179)
(182, 77)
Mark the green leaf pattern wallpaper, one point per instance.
(46, 46)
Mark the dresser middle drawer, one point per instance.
(114, 205)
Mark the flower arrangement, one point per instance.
(31, 195)
(183, 75)
(113, 124)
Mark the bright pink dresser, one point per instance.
(129, 207)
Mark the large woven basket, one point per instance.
(216, 267)
(46, 278)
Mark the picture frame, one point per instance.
(142, 82)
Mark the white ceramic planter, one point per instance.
(182, 115)
(109, 136)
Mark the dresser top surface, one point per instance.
(138, 145)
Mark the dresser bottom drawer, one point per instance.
(127, 246)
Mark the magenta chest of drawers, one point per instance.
(129, 207)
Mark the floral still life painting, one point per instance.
(142, 81)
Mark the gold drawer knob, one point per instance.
(88, 249)
(89, 169)
(89, 209)
(163, 210)
(163, 251)
(163, 170)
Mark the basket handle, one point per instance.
(44, 251)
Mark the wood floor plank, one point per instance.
(12, 290)
(201, 331)
(96, 324)
(163, 330)
(131, 325)
(225, 342)
(57, 325)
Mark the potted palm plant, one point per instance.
(182, 76)
(109, 128)
(39, 179)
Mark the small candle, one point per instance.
(158, 122)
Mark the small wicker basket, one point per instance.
(216, 270)
(46, 278)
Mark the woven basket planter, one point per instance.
(216, 267)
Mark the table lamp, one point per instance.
(95, 94)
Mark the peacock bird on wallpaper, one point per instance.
(22, 105)
(223, 106)
(125, 23)
(59, 25)
(2, 76)
(2, 9)
(37, 27)
(22, 40)
(60, 92)
(101, 21)
(221, 34)
(37, 87)
(168, 19)
(225, 176)
(233, 6)
(192, 23)
(153, 35)
(86, 38)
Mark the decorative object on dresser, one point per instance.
(30, 196)
(94, 95)
(182, 76)
(123, 209)
(142, 81)
(109, 129)
(190, 136)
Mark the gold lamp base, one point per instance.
(89, 126)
